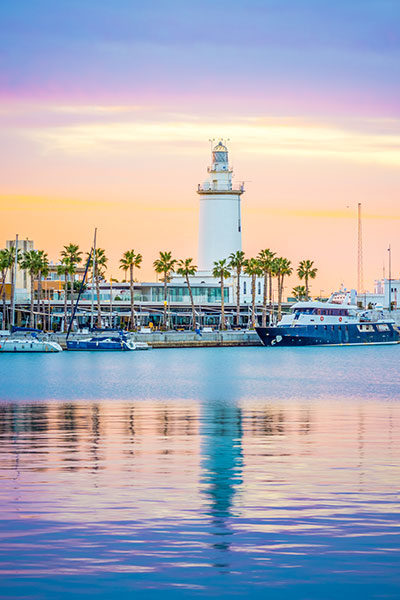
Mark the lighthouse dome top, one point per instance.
(220, 153)
(220, 147)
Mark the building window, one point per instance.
(244, 288)
(259, 287)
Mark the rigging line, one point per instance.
(80, 294)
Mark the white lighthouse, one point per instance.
(220, 230)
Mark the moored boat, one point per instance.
(330, 323)
(119, 343)
(28, 340)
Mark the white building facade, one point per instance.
(388, 289)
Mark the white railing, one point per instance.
(209, 187)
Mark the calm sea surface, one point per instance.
(242, 472)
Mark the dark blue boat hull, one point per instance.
(322, 335)
(115, 345)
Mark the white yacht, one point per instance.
(27, 340)
(336, 322)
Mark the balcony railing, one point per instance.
(210, 187)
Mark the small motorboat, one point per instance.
(141, 345)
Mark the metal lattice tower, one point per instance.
(360, 273)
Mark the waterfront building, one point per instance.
(385, 289)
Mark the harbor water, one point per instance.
(201, 473)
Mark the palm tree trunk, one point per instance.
(306, 282)
(31, 315)
(165, 299)
(12, 294)
(3, 293)
(280, 289)
(265, 292)
(98, 300)
(238, 298)
(222, 304)
(191, 302)
(39, 292)
(72, 295)
(44, 304)
(132, 297)
(65, 305)
(270, 293)
(253, 301)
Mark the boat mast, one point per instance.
(15, 282)
(93, 278)
(80, 293)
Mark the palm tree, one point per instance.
(128, 261)
(307, 271)
(30, 262)
(300, 292)
(71, 256)
(281, 267)
(252, 267)
(166, 265)
(237, 262)
(265, 258)
(186, 268)
(99, 272)
(221, 271)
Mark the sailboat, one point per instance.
(25, 339)
(111, 339)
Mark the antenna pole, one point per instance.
(360, 273)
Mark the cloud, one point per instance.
(118, 129)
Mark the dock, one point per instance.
(186, 339)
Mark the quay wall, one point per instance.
(174, 339)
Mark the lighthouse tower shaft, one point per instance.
(220, 229)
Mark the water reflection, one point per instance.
(222, 465)
(191, 492)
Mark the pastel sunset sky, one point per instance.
(106, 109)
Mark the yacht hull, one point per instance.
(100, 346)
(329, 335)
(28, 346)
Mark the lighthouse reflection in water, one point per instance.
(242, 476)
